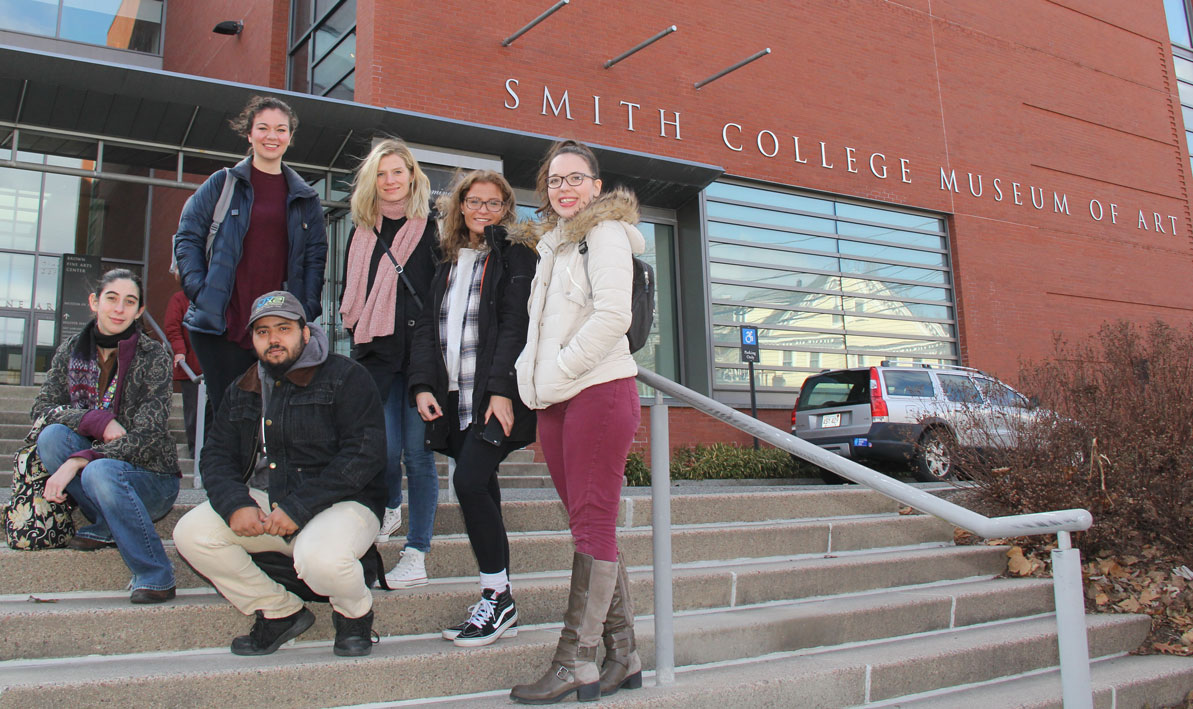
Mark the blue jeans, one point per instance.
(122, 500)
(405, 440)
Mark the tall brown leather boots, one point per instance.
(574, 669)
(622, 668)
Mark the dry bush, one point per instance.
(1113, 434)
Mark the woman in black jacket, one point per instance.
(391, 208)
(463, 379)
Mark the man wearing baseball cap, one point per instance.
(294, 464)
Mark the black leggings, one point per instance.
(222, 361)
(477, 490)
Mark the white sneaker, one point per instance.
(410, 571)
(389, 523)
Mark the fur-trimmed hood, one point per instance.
(618, 204)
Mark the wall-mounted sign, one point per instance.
(80, 273)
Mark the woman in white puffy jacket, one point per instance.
(577, 371)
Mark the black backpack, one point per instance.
(641, 301)
(280, 568)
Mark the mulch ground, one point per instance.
(1140, 581)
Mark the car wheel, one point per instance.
(933, 461)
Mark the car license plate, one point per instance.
(830, 420)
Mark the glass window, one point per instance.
(892, 253)
(771, 237)
(836, 389)
(900, 291)
(324, 61)
(1184, 68)
(887, 216)
(895, 236)
(660, 353)
(1178, 22)
(1186, 92)
(720, 210)
(893, 273)
(60, 212)
(12, 344)
(31, 16)
(16, 280)
(46, 344)
(999, 394)
(334, 66)
(959, 388)
(46, 296)
(770, 198)
(907, 383)
(772, 256)
(1187, 114)
(122, 24)
(19, 202)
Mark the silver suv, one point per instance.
(905, 412)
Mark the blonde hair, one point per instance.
(364, 184)
(454, 233)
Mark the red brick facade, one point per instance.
(1070, 104)
(1048, 131)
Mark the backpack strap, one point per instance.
(221, 209)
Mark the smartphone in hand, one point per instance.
(493, 433)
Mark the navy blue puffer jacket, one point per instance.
(208, 285)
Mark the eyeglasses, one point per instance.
(492, 205)
(575, 180)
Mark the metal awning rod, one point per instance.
(98, 174)
(557, 6)
(640, 47)
(735, 67)
(160, 147)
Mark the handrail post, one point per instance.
(200, 430)
(660, 491)
(1071, 640)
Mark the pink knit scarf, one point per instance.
(371, 315)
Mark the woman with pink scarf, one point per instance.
(388, 269)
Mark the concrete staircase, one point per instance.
(784, 597)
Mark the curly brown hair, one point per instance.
(243, 123)
(454, 233)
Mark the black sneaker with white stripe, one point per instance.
(493, 616)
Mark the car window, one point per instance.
(907, 383)
(999, 394)
(835, 389)
(959, 388)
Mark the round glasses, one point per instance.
(492, 205)
(575, 180)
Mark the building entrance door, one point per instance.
(16, 352)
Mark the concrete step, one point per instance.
(1122, 682)
(81, 623)
(547, 514)
(932, 649)
(865, 675)
(62, 570)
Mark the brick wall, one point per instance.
(1071, 104)
(256, 56)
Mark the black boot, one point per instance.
(268, 634)
(354, 636)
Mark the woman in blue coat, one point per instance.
(272, 238)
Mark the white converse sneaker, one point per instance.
(389, 523)
(410, 571)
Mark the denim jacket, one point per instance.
(325, 434)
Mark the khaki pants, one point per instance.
(325, 553)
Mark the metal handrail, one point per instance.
(200, 399)
(1066, 561)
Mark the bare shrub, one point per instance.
(1113, 433)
